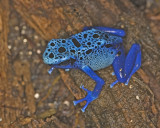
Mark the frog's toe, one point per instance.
(115, 82)
(78, 101)
(84, 108)
(127, 81)
(82, 87)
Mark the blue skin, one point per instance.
(93, 49)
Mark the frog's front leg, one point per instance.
(91, 95)
(125, 67)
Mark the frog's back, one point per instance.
(95, 48)
(93, 39)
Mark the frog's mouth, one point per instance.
(67, 63)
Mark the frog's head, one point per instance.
(55, 52)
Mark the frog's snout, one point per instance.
(47, 57)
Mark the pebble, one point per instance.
(30, 53)
(38, 51)
(9, 46)
(36, 95)
(137, 97)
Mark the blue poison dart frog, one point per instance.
(92, 49)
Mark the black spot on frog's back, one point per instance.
(89, 43)
(75, 42)
(108, 45)
(95, 36)
(61, 49)
(63, 41)
(88, 51)
(52, 44)
(73, 51)
(106, 36)
(85, 35)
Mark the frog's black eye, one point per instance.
(52, 44)
(95, 36)
(76, 43)
(88, 51)
(106, 36)
(61, 49)
(108, 45)
(51, 55)
(111, 52)
(49, 49)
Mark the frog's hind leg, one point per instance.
(125, 67)
(117, 32)
(91, 95)
(133, 61)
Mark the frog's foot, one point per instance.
(89, 98)
(131, 65)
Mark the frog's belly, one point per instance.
(99, 59)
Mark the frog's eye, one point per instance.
(51, 55)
